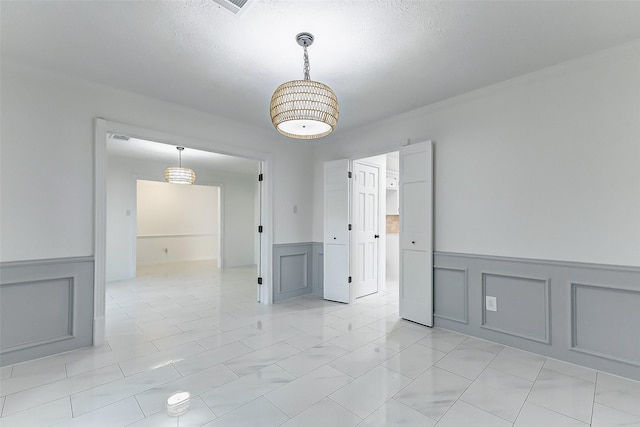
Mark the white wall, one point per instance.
(121, 222)
(46, 169)
(545, 166)
(237, 194)
(176, 223)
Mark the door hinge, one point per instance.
(260, 177)
(349, 280)
(349, 228)
(259, 229)
(349, 175)
(259, 280)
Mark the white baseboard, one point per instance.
(99, 327)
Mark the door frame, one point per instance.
(102, 127)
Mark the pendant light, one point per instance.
(179, 175)
(304, 109)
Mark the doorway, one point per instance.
(343, 200)
(150, 221)
(376, 236)
(259, 246)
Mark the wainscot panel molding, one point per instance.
(581, 313)
(524, 306)
(451, 294)
(46, 307)
(317, 274)
(292, 270)
(605, 322)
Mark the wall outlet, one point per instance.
(492, 303)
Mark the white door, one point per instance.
(416, 233)
(337, 193)
(366, 228)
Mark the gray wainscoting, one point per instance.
(46, 307)
(317, 277)
(586, 314)
(451, 294)
(524, 306)
(292, 270)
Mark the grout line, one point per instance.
(593, 402)
(472, 381)
(135, 397)
(529, 393)
(559, 413)
(71, 406)
(337, 403)
(488, 412)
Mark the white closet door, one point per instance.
(416, 233)
(337, 245)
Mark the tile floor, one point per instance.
(305, 362)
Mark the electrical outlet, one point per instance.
(492, 303)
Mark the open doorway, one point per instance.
(240, 242)
(344, 255)
(392, 220)
(151, 222)
(376, 226)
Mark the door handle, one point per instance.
(375, 236)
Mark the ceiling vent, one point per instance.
(234, 6)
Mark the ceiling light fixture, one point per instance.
(179, 175)
(304, 109)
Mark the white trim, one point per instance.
(102, 127)
(266, 250)
(100, 230)
(133, 259)
(99, 330)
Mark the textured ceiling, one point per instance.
(381, 57)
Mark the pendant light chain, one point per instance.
(306, 63)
